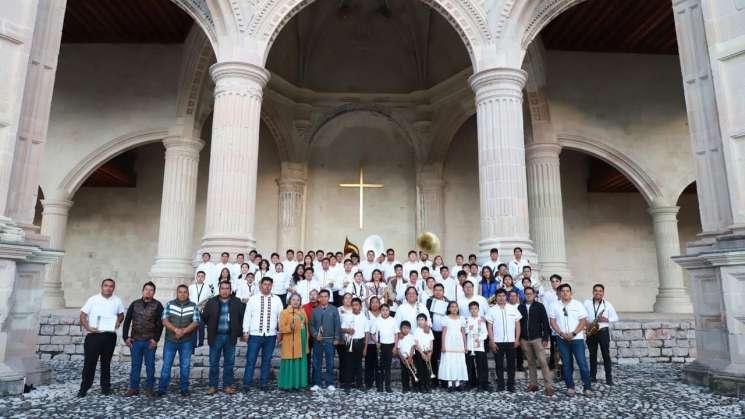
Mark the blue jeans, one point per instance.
(141, 351)
(321, 350)
(266, 345)
(169, 354)
(576, 348)
(222, 346)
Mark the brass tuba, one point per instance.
(428, 243)
(350, 247)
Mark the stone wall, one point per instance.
(632, 342)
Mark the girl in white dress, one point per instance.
(453, 360)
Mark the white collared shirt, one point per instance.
(289, 266)
(476, 330)
(244, 290)
(326, 279)
(503, 322)
(262, 315)
(568, 320)
(406, 345)
(280, 283)
(98, 306)
(493, 264)
(412, 266)
(409, 312)
(200, 292)
(605, 307)
(357, 290)
(304, 287)
(367, 269)
(453, 290)
(516, 267)
(386, 329)
(424, 340)
(389, 268)
(465, 311)
(343, 280)
(210, 273)
(358, 322)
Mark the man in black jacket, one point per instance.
(144, 315)
(223, 315)
(536, 332)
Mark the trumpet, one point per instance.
(429, 364)
(410, 367)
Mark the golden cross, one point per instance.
(361, 185)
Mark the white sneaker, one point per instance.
(315, 388)
(331, 388)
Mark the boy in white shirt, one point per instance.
(356, 328)
(476, 335)
(406, 343)
(423, 357)
(386, 336)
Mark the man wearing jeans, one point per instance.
(260, 332)
(569, 320)
(325, 329)
(223, 316)
(180, 318)
(144, 315)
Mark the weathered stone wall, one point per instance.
(632, 342)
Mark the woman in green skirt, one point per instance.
(293, 326)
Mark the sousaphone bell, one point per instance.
(428, 243)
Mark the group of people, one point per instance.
(439, 327)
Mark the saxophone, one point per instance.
(595, 326)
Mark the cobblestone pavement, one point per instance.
(648, 391)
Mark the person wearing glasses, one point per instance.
(568, 319)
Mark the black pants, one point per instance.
(407, 379)
(478, 370)
(505, 350)
(386, 358)
(603, 339)
(519, 359)
(436, 354)
(283, 298)
(371, 367)
(97, 345)
(422, 372)
(554, 354)
(351, 369)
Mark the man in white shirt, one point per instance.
(473, 273)
(424, 260)
(260, 332)
(369, 265)
(458, 264)
(386, 334)
(224, 263)
(568, 319)
(527, 273)
(453, 289)
(504, 338)
(600, 309)
(437, 306)
(281, 283)
(412, 264)
(343, 280)
(199, 293)
(240, 259)
(410, 308)
(290, 263)
(473, 260)
(516, 265)
(209, 270)
(326, 277)
(468, 296)
(389, 265)
(548, 297)
(493, 262)
(308, 283)
(357, 288)
(101, 315)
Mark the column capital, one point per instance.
(498, 81)
(56, 206)
(233, 75)
(664, 212)
(539, 150)
(183, 143)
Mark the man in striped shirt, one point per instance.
(180, 319)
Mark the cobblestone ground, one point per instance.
(648, 391)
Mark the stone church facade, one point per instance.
(127, 159)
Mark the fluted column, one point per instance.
(672, 296)
(546, 209)
(502, 179)
(173, 262)
(54, 226)
(291, 182)
(231, 194)
(431, 201)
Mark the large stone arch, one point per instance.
(202, 15)
(638, 176)
(385, 112)
(88, 164)
(467, 17)
(535, 18)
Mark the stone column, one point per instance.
(290, 224)
(546, 209)
(173, 263)
(34, 119)
(502, 179)
(231, 194)
(431, 201)
(54, 226)
(672, 296)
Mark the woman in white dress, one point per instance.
(453, 360)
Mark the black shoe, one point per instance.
(106, 391)
(82, 393)
(520, 369)
(593, 380)
(264, 389)
(609, 382)
(500, 388)
(184, 393)
(388, 390)
(511, 389)
(159, 394)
